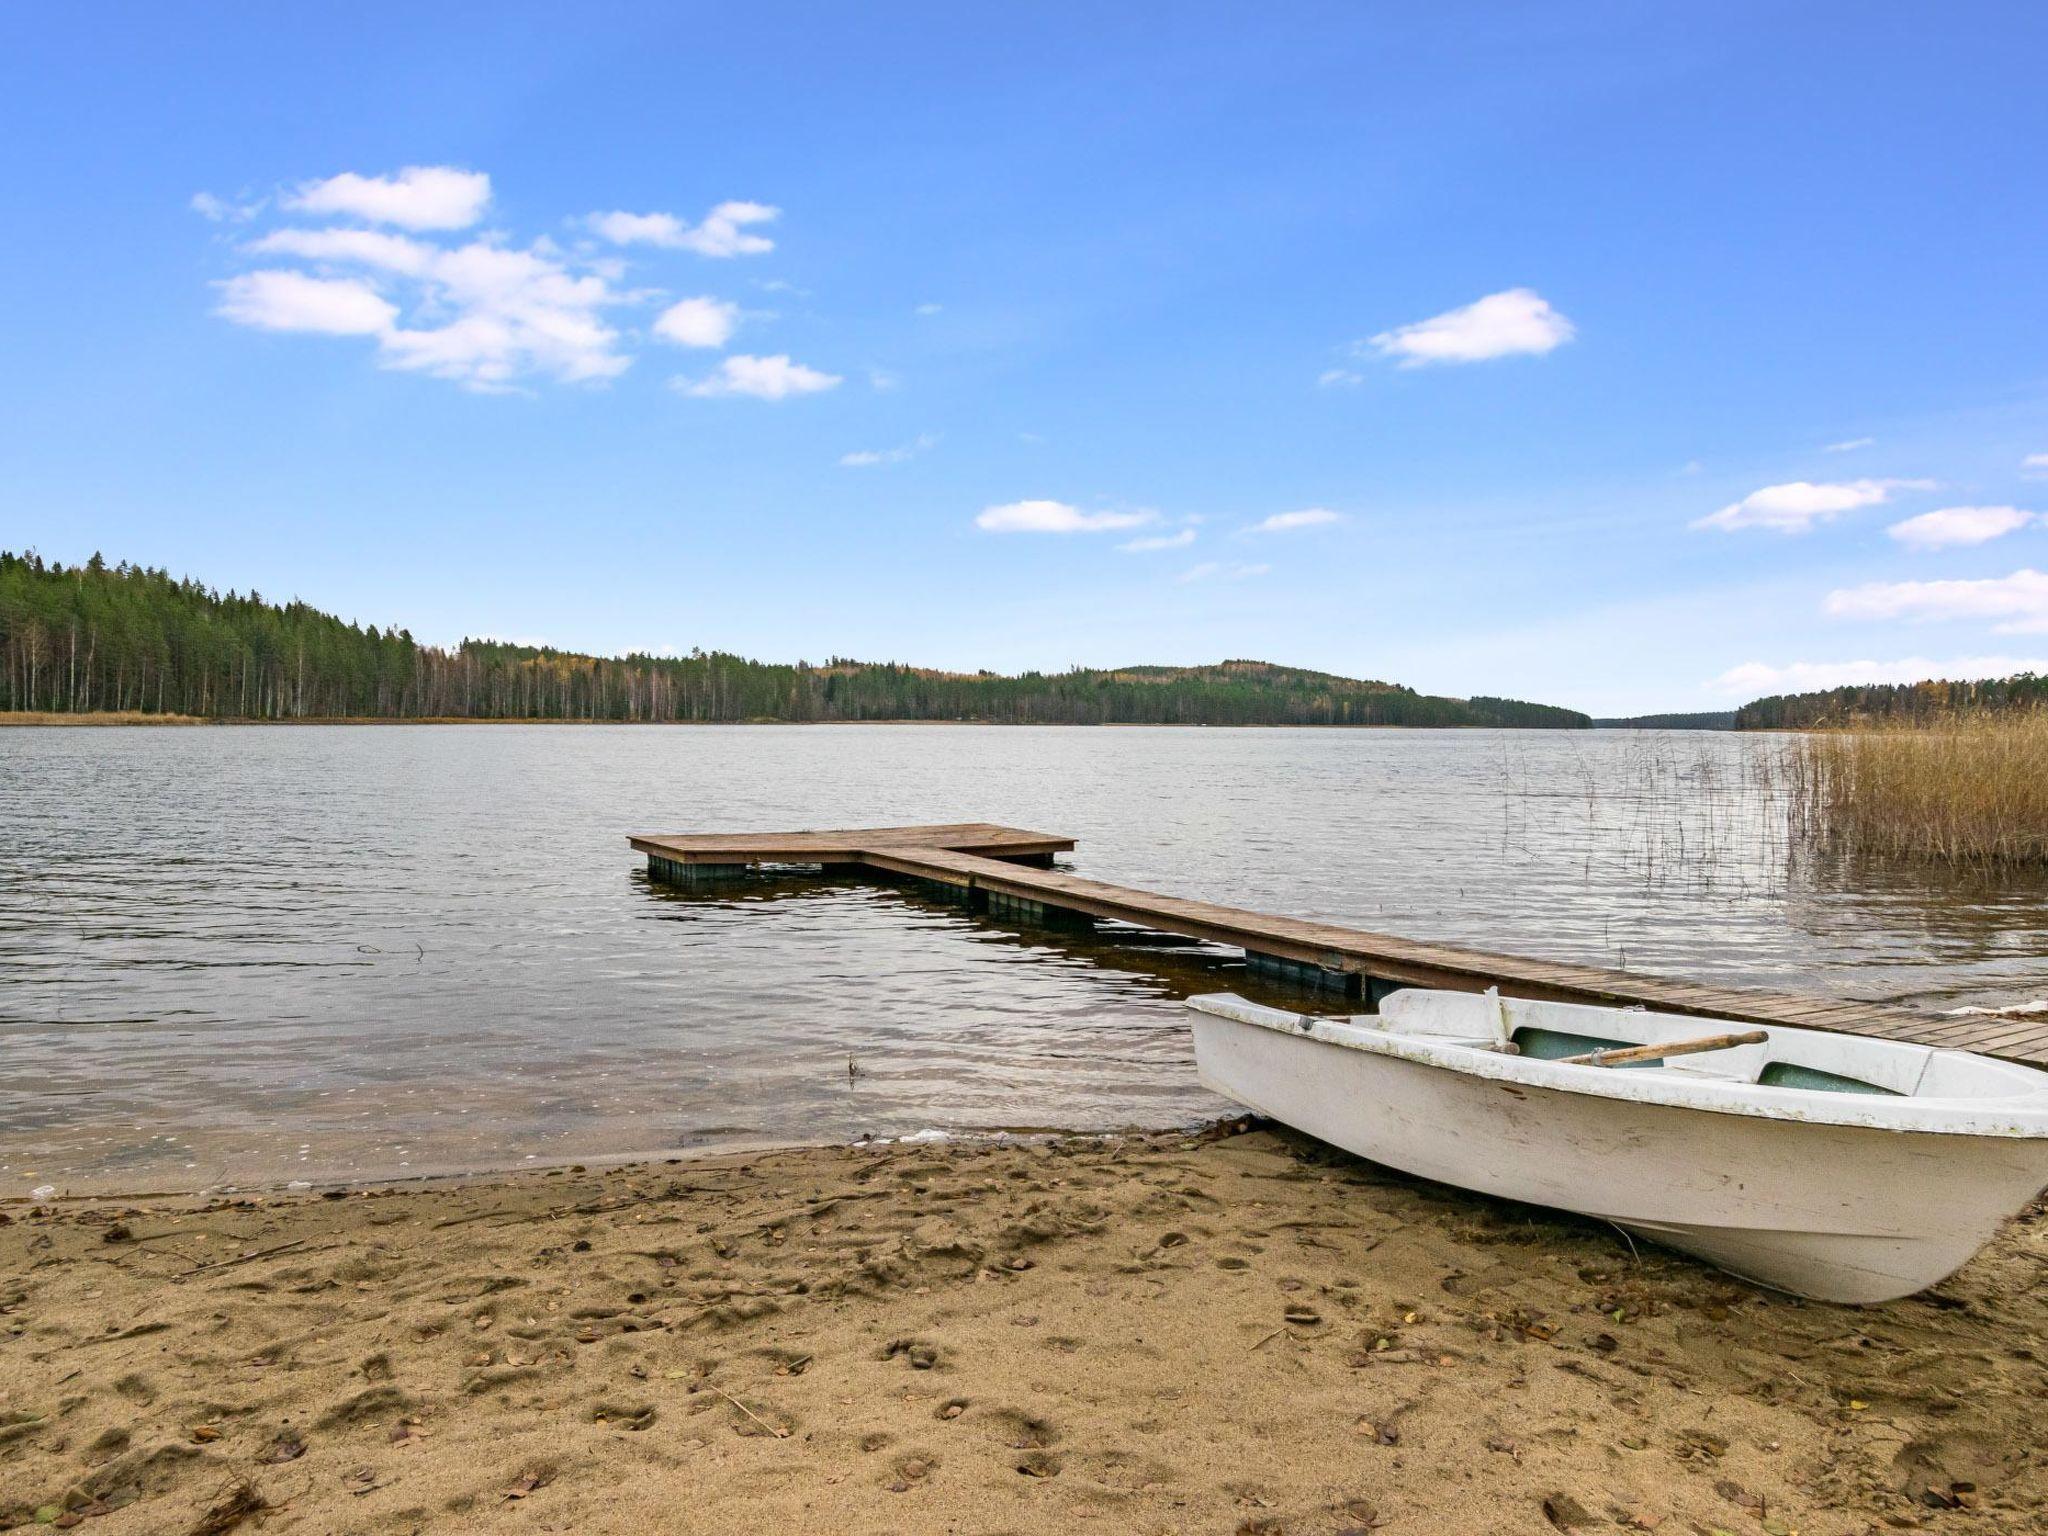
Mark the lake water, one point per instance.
(252, 955)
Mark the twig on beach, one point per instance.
(557, 1213)
(774, 1429)
(245, 1258)
(1269, 1338)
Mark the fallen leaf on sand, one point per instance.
(531, 1482)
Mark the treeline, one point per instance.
(1695, 720)
(1898, 703)
(98, 637)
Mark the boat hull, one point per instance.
(1837, 1213)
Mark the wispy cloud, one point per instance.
(1055, 517)
(1339, 378)
(727, 230)
(1850, 446)
(1516, 321)
(2035, 464)
(1220, 570)
(1151, 542)
(2015, 604)
(1287, 522)
(1951, 526)
(762, 378)
(928, 309)
(1797, 505)
(699, 322)
(1755, 678)
(418, 197)
(221, 210)
(868, 458)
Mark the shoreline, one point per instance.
(98, 718)
(1230, 1330)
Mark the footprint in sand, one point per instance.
(920, 1354)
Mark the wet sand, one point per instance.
(1241, 1332)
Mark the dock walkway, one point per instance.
(1008, 872)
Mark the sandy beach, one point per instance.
(1238, 1332)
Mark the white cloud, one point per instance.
(292, 301)
(482, 314)
(351, 247)
(762, 378)
(1151, 542)
(1959, 525)
(724, 231)
(1692, 467)
(1339, 378)
(1283, 522)
(700, 322)
(882, 381)
(475, 308)
(1850, 445)
(2035, 464)
(1217, 570)
(867, 458)
(1055, 517)
(2018, 604)
(1518, 320)
(1797, 505)
(1755, 679)
(418, 197)
(928, 309)
(219, 210)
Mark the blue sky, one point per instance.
(1593, 354)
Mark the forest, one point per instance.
(1894, 703)
(99, 638)
(1693, 720)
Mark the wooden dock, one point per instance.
(1008, 873)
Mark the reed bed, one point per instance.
(1968, 791)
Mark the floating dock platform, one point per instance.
(1009, 873)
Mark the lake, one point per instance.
(256, 954)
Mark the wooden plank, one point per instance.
(845, 845)
(974, 856)
(1996, 1036)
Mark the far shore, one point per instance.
(1238, 1330)
(98, 718)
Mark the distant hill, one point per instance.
(1908, 702)
(98, 638)
(1699, 720)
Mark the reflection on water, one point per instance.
(271, 953)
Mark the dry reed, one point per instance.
(1969, 791)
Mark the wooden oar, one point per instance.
(1624, 1055)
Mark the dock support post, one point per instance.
(1038, 914)
(1299, 973)
(691, 876)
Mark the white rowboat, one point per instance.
(1832, 1166)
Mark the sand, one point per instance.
(1237, 1332)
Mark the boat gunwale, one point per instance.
(2021, 1116)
